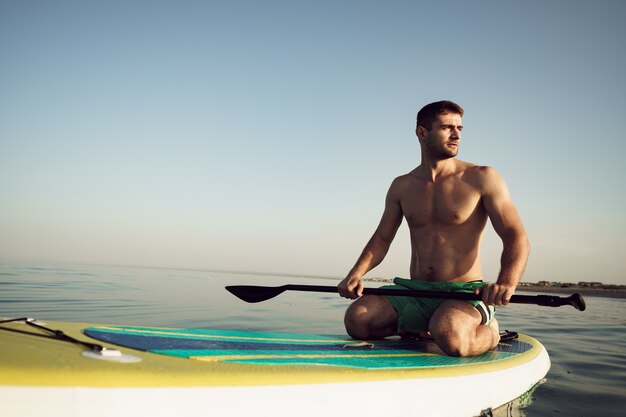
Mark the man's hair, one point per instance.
(427, 115)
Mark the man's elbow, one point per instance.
(381, 241)
(517, 239)
(523, 242)
(527, 246)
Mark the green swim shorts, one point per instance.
(414, 313)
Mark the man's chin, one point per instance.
(445, 153)
(449, 155)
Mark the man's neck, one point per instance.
(433, 169)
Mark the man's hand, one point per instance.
(351, 287)
(495, 294)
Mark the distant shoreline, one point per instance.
(590, 289)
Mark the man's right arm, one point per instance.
(515, 245)
(378, 245)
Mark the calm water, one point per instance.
(588, 350)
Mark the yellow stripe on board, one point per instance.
(210, 337)
(301, 356)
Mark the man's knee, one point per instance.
(357, 321)
(370, 317)
(468, 341)
(457, 330)
(454, 343)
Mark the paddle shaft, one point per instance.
(254, 294)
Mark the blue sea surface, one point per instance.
(587, 349)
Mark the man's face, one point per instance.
(444, 138)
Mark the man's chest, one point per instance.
(448, 203)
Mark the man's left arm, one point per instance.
(508, 225)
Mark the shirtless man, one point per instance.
(446, 203)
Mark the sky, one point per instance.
(263, 136)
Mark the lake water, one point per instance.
(587, 349)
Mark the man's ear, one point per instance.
(421, 132)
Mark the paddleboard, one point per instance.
(201, 372)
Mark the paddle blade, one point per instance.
(254, 294)
(577, 301)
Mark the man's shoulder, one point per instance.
(478, 172)
(403, 183)
(486, 179)
(409, 176)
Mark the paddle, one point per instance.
(256, 294)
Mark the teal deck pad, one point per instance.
(269, 348)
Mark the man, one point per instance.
(446, 203)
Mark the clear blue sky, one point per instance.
(262, 136)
